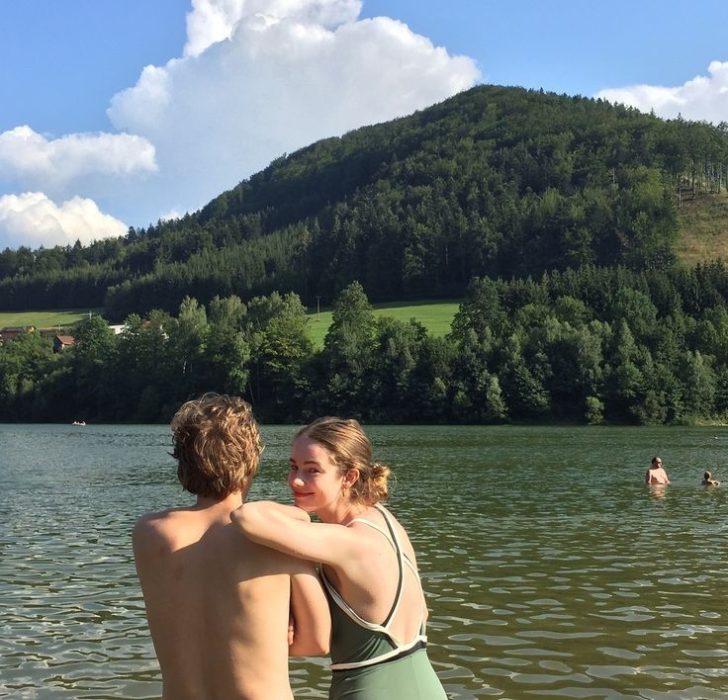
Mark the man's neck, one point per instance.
(229, 503)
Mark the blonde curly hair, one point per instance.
(217, 445)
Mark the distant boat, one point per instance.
(79, 422)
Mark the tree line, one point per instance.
(494, 182)
(593, 345)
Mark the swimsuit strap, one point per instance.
(346, 608)
(394, 541)
(404, 558)
(380, 646)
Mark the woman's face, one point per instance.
(313, 477)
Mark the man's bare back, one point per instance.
(218, 605)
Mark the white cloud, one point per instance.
(256, 78)
(171, 215)
(704, 98)
(148, 100)
(32, 159)
(212, 21)
(253, 86)
(33, 220)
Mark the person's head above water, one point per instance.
(217, 445)
(656, 462)
(349, 449)
(707, 476)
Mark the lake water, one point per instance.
(550, 569)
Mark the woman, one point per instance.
(708, 480)
(369, 570)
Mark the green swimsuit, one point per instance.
(367, 663)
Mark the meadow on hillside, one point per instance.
(435, 316)
(703, 229)
(43, 318)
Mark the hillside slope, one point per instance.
(703, 229)
(495, 181)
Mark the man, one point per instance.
(656, 475)
(217, 604)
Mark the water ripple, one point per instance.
(570, 581)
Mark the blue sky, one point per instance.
(121, 112)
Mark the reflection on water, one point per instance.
(550, 569)
(657, 491)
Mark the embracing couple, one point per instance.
(232, 588)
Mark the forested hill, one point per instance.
(497, 181)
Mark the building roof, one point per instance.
(16, 329)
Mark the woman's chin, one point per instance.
(304, 503)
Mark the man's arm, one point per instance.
(141, 544)
(310, 613)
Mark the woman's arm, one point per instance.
(289, 530)
(310, 613)
(284, 528)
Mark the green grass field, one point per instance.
(43, 319)
(703, 225)
(435, 316)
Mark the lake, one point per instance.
(550, 569)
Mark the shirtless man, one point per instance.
(217, 604)
(656, 475)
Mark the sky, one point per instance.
(118, 113)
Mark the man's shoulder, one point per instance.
(153, 525)
(154, 518)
